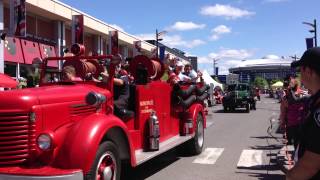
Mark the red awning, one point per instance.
(7, 82)
(12, 50)
(30, 50)
(48, 51)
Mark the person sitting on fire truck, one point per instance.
(188, 71)
(178, 72)
(69, 74)
(121, 91)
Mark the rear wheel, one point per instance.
(226, 109)
(195, 145)
(248, 107)
(107, 164)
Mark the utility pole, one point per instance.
(157, 40)
(214, 65)
(314, 30)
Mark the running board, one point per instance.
(142, 156)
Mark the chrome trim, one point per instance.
(165, 146)
(75, 176)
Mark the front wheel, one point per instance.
(107, 164)
(248, 108)
(195, 145)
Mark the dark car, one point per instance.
(239, 96)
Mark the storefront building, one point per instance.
(49, 33)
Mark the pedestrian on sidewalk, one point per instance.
(292, 111)
(308, 165)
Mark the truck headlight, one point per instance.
(44, 142)
(95, 99)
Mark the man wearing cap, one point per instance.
(178, 72)
(308, 165)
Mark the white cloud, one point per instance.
(174, 40)
(227, 58)
(146, 36)
(218, 31)
(185, 26)
(117, 27)
(221, 29)
(226, 11)
(177, 41)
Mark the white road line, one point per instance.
(250, 158)
(209, 156)
(209, 124)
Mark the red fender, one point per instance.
(194, 111)
(80, 145)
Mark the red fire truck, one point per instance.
(67, 130)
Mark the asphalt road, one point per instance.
(237, 146)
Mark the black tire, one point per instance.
(225, 109)
(248, 108)
(195, 145)
(254, 106)
(106, 151)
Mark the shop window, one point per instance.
(10, 69)
(68, 37)
(31, 25)
(31, 74)
(6, 17)
(45, 29)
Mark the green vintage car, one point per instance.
(239, 96)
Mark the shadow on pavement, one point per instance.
(262, 137)
(151, 167)
(267, 147)
(230, 112)
(264, 175)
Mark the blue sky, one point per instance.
(230, 30)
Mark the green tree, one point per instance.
(260, 82)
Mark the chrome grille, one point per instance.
(16, 137)
(82, 109)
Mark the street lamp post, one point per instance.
(214, 65)
(314, 30)
(158, 34)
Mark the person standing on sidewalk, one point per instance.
(291, 111)
(308, 165)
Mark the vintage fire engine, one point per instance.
(67, 130)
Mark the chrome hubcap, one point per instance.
(107, 173)
(200, 133)
(106, 167)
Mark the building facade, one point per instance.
(49, 33)
(194, 62)
(269, 71)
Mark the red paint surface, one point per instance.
(48, 51)
(12, 50)
(30, 50)
(77, 129)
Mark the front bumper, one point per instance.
(43, 173)
(75, 176)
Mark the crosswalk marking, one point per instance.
(209, 156)
(250, 158)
